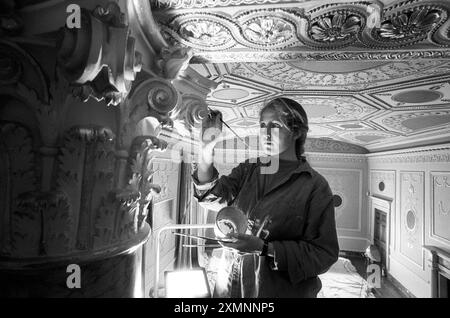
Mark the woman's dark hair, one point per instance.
(293, 116)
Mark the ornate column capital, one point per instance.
(100, 57)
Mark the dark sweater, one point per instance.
(299, 204)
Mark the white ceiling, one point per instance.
(380, 87)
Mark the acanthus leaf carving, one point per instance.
(20, 230)
(140, 185)
(58, 223)
(86, 165)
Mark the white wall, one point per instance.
(418, 181)
(346, 175)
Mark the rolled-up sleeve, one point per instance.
(221, 191)
(318, 249)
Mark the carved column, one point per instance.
(76, 178)
(61, 198)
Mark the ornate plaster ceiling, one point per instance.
(374, 73)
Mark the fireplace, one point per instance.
(439, 264)
(380, 209)
(380, 233)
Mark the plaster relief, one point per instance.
(441, 206)
(411, 215)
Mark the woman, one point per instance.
(291, 237)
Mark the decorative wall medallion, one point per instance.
(337, 200)
(410, 220)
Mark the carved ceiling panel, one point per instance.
(308, 25)
(367, 72)
(409, 122)
(417, 97)
(293, 76)
(324, 109)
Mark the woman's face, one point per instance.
(274, 136)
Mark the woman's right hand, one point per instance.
(208, 140)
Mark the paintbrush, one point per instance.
(199, 237)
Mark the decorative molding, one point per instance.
(377, 136)
(166, 173)
(440, 204)
(327, 27)
(411, 216)
(388, 179)
(324, 109)
(83, 211)
(395, 121)
(189, 4)
(333, 26)
(295, 55)
(290, 74)
(336, 157)
(20, 228)
(162, 96)
(409, 22)
(268, 32)
(439, 153)
(332, 146)
(339, 182)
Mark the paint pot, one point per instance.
(230, 220)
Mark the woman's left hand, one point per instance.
(245, 243)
